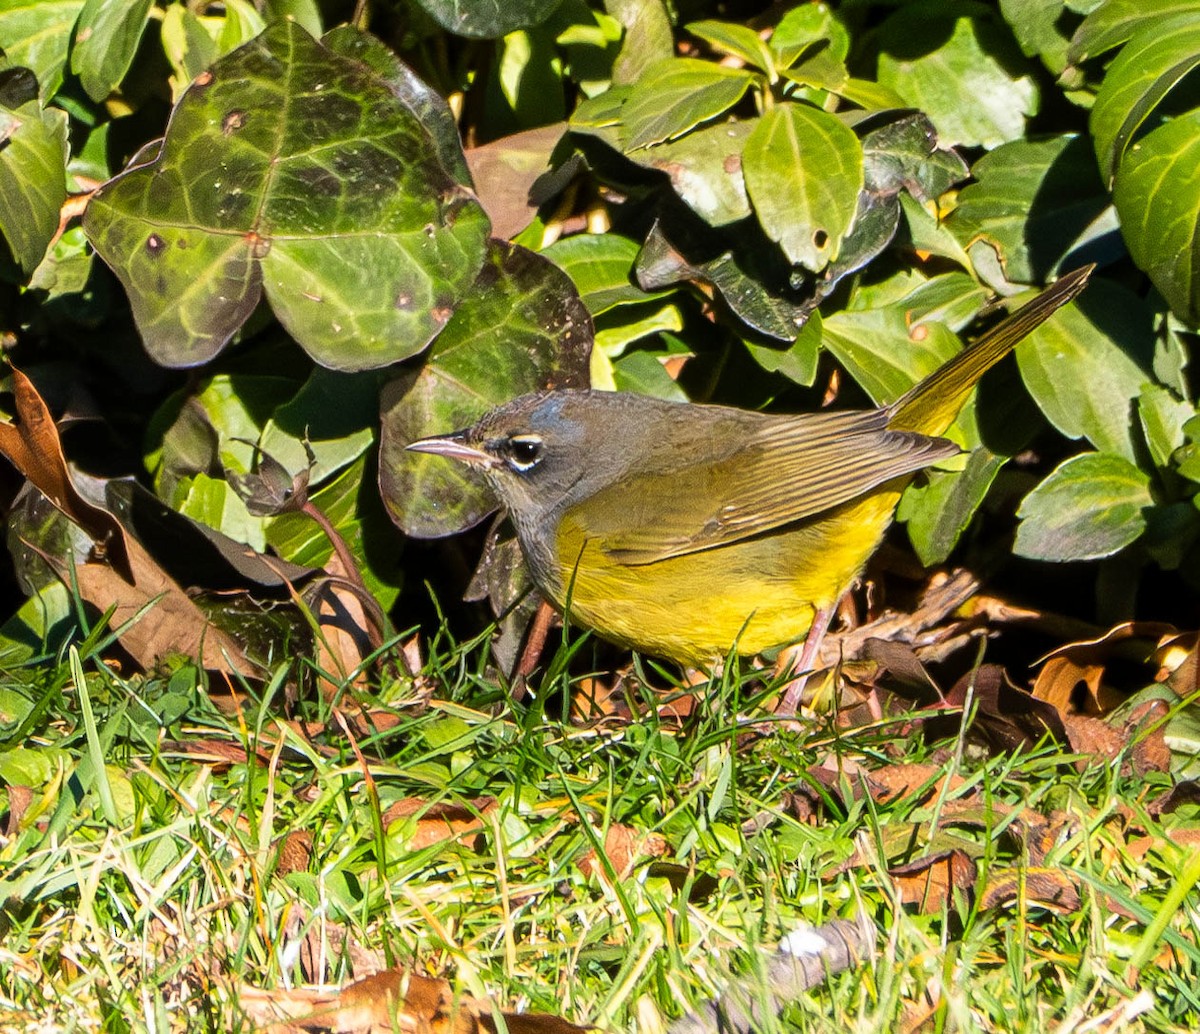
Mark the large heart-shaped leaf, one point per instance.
(521, 329)
(292, 170)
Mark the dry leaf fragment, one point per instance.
(1049, 888)
(624, 846)
(440, 821)
(929, 883)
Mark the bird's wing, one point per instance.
(788, 469)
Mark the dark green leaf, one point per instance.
(1030, 201)
(33, 180)
(1115, 21)
(488, 19)
(521, 329)
(427, 105)
(804, 171)
(106, 38)
(938, 508)
(1089, 507)
(797, 361)
(904, 155)
(771, 309)
(1086, 366)
(1036, 25)
(1158, 199)
(296, 172)
(36, 34)
(676, 95)
(970, 85)
(1149, 66)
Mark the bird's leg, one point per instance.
(802, 664)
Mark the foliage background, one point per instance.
(770, 206)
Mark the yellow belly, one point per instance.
(750, 595)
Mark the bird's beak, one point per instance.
(454, 447)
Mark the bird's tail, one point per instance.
(931, 406)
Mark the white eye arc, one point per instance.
(524, 451)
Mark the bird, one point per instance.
(689, 531)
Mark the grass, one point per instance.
(153, 874)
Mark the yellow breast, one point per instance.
(750, 595)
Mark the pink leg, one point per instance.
(802, 664)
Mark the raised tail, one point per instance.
(931, 406)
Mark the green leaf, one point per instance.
(36, 34)
(904, 155)
(648, 37)
(754, 296)
(676, 95)
(883, 347)
(1163, 416)
(351, 503)
(1030, 201)
(804, 26)
(487, 19)
(291, 171)
(33, 180)
(705, 169)
(427, 105)
(1087, 364)
(601, 267)
(804, 171)
(616, 331)
(523, 328)
(1157, 197)
(106, 38)
(966, 85)
(335, 413)
(1116, 21)
(1149, 66)
(738, 41)
(1090, 507)
(1036, 25)
(938, 509)
(798, 361)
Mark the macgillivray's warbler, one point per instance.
(686, 530)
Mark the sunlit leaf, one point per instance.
(291, 171)
(33, 180)
(960, 72)
(676, 95)
(804, 171)
(106, 38)
(1157, 196)
(1090, 507)
(37, 35)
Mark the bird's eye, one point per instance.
(524, 451)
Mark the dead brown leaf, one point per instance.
(32, 445)
(388, 1001)
(295, 851)
(120, 575)
(19, 800)
(440, 821)
(929, 883)
(505, 170)
(624, 846)
(345, 628)
(1049, 888)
